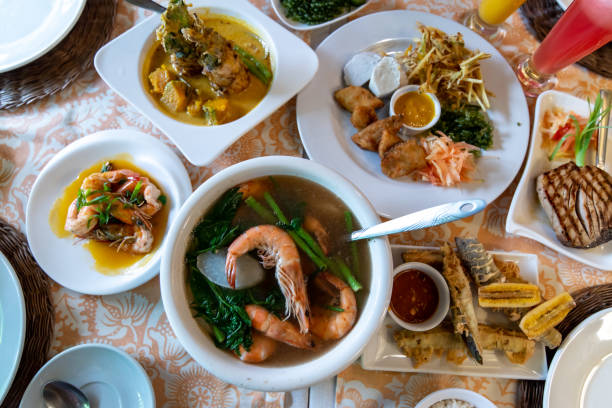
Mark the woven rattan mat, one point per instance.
(39, 310)
(541, 16)
(64, 63)
(591, 300)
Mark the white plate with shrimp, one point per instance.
(382, 352)
(91, 267)
(325, 129)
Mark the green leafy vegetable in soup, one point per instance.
(467, 124)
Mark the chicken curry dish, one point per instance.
(206, 69)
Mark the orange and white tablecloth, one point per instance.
(135, 320)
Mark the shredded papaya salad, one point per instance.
(555, 124)
(448, 163)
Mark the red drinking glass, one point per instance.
(584, 27)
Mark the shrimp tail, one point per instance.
(230, 270)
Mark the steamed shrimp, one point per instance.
(281, 330)
(275, 247)
(314, 226)
(149, 192)
(261, 349)
(329, 324)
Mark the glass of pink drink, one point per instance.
(584, 27)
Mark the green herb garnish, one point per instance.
(582, 137)
(335, 308)
(467, 124)
(318, 11)
(162, 199)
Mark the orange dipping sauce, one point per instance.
(414, 297)
(418, 108)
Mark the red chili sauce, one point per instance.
(414, 298)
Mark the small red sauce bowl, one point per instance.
(443, 297)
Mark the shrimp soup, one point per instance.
(298, 227)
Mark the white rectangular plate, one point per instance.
(382, 353)
(294, 63)
(526, 216)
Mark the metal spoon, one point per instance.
(60, 394)
(430, 217)
(148, 4)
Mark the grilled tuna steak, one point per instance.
(578, 202)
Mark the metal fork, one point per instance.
(602, 139)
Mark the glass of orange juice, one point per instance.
(488, 19)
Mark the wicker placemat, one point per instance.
(591, 300)
(541, 16)
(59, 67)
(39, 310)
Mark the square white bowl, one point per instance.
(294, 63)
(296, 25)
(526, 216)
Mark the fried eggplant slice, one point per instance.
(463, 316)
(369, 137)
(479, 263)
(517, 347)
(403, 158)
(387, 141)
(353, 96)
(422, 346)
(363, 116)
(509, 295)
(432, 257)
(547, 315)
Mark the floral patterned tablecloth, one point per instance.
(135, 320)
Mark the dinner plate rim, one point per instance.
(378, 188)
(17, 307)
(61, 34)
(372, 364)
(526, 229)
(99, 347)
(178, 188)
(561, 351)
(294, 65)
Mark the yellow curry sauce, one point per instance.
(235, 31)
(418, 108)
(108, 260)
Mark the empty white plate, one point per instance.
(580, 374)
(66, 260)
(109, 377)
(12, 324)
(30, 29)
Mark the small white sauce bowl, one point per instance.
(412, 88)
(443, 297)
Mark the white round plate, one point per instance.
(12, 325)
(325, 128)
(30, 29)
(68, 262)
(580, 373)
(472, 397)
(109, 377)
